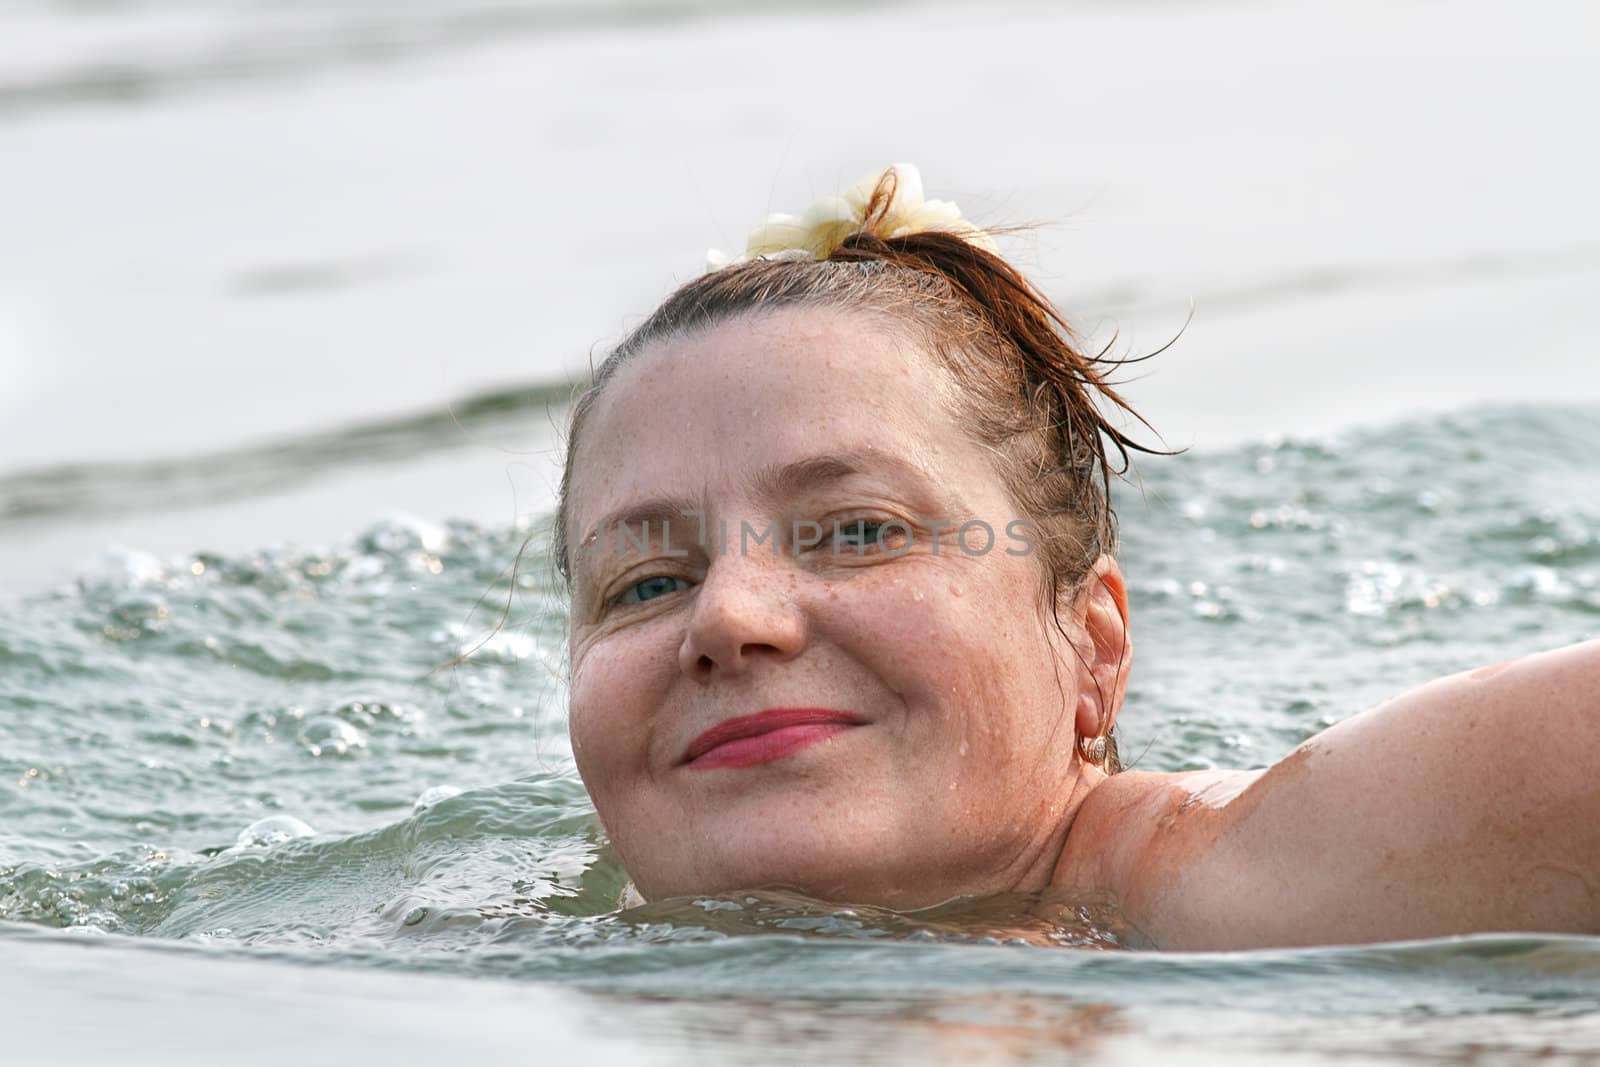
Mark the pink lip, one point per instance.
(765, 736)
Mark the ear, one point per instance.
(1101, 612)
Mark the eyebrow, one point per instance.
(771, 484)
(782, 481)
(654, 509)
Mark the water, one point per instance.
(273, 756)
(276, 231)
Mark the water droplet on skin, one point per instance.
(964, 749)
(916, 594)
(956, 590)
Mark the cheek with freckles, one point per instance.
(617, 685)
(617, 691)
(967, 653)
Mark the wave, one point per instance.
(1320, 280)
(85, 489)
(274, 43)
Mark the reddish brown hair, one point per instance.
(1024, 386)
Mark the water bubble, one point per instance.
(1162, 587)
(1540, 582)
(508, 647)
(433, 795)
(719, 905)
(331, 736)
(118, 570)
(1374, 587)
(367, 712)
(361, 568)
(401, 534)
(272, 830)
(140, 610)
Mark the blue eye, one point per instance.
(859, 535)
(650, 588)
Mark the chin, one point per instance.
(812, 841)
(842, 876)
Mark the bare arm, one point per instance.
(1470, 804)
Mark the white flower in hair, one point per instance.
(828, 222)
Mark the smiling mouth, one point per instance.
(765, 736)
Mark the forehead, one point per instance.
(694, 415)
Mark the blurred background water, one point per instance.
(291, 296)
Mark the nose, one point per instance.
(743, 612)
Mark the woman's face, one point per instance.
(913, 712)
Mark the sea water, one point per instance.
(282, 755)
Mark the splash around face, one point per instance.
(859, 703)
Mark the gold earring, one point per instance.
(1092, 749)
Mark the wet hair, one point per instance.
(1025, 389)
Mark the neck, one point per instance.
(1043, 872)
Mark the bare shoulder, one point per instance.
(1508, 723)
(1468, 804)
(1135, 826)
